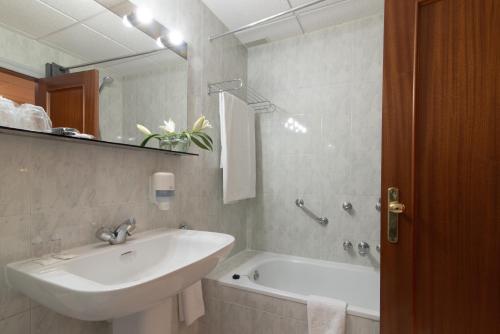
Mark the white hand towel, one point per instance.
(326, 315)
(238, 148)
(191, 305)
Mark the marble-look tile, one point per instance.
(15, 170)
(292, 326)
(330, 81)
(152, 97)
(211, 322)
(14, 246)
(53, 230)
(239, 311)
(358, 325)
(237, 319)
(122, 177)
(45, 321)
(63, 175)
(367, 51)
(17, 324)
(277, 306)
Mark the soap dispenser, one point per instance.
(162, 189)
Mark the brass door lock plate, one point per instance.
(394, 208)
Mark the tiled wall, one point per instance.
(153, 97)
(233, 310)
(54, 195)
(330, 82)
(111, 110)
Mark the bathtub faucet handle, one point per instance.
(347, 245)
(363, 248)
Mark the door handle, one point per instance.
(394, 209)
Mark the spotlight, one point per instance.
(175, 37)
(160, 43)
(144, 15)
(126, 22)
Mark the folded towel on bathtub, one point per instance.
(191, 305)
(326, 315)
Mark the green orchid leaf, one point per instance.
(199, 143)
(146, 140)
(204, 140)
(206, 136)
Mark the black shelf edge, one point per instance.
(51, 136)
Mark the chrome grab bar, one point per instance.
(321, 220)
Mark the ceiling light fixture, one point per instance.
(175, 37)
(126, 21)
(159, 42)
(144, 15)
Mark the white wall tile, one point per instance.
(329, 81)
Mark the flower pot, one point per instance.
(175, 144)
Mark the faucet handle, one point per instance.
(131, 225)
(363, 248)
(347, 244)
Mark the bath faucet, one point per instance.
(119, 234)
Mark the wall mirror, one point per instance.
(89, 70)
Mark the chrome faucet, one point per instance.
(119, 234)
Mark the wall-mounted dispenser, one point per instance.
(162, 189)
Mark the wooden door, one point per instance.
(17, 87)
(72, 100)
(441, 148)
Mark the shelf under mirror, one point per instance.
(51, 136)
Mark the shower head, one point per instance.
(105, 81)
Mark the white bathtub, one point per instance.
(295, 278)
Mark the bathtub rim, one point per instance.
(248, 265)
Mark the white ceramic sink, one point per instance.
(105, 282)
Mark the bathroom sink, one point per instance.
(104, 282)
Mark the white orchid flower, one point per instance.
(206, 124)
(144, 129)
(201, 123)
(169, 126)
(198, 124)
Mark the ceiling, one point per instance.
(82, 28)
(235, 14)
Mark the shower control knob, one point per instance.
(363, 248)
(347, 245)
(347, 206)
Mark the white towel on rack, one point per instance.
(326, 315)
(191, 305)
(237, 126)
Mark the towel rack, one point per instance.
(255, 100)
(321, 220)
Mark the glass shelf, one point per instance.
(51, 136)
